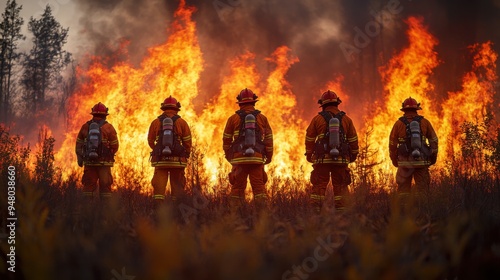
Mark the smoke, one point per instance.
(331, 38)
(106, 24)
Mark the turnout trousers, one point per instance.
(94, 176)
(321, 175)
(160, 180)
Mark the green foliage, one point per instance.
(12, 153)
(480, 146)
(45, 170)
(365, 164)
(495, 155)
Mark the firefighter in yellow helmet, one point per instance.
(96, 146)
(413, 147)
(169, 137)
(331, 144)
(248, 145)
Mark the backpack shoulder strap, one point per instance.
(404, 120)
(340, 115)
(175, 117)
(326, 115)
(241, 113)
(100, 123)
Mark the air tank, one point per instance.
(93, 141)
(168, 136)
(334, 139)
(416, 140)
(249, 135)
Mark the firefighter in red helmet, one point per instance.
(331, 144)
(248, 145)
(169, 137)
(413, 147)
(96, 146)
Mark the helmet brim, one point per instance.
(246, 101)
(169, 107)
(410, 109)
(329, 104)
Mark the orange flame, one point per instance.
(133, 96)
(471, 102)
(406, 75)
(210, 125)
(278, 103)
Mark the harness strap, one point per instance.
(328, 116)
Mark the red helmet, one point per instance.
(410, 104)
(170, 103)
(246, 96)
(329, 97)
(99, 109)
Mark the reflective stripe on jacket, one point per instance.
(232, 132)
(398, 136)
(316, 131)
(109, 140)
(181, 129)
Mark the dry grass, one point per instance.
(448, 231)
(451, 231)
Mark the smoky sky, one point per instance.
(313, 30)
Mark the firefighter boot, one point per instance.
(177, 208)
(316, 202)
(105, 199)
(339, 203)
(158, 204)
(235, 204)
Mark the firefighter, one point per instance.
(248, 145)
(96, 146)
(331, 144)
(413, 147)
(169, 137)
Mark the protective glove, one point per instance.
(309, 158)
(228, 158)
(264, 177)
(79, 159)
(353, 157)
(433, 158)
(268, 160)
(232, 176)
(394, 162)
